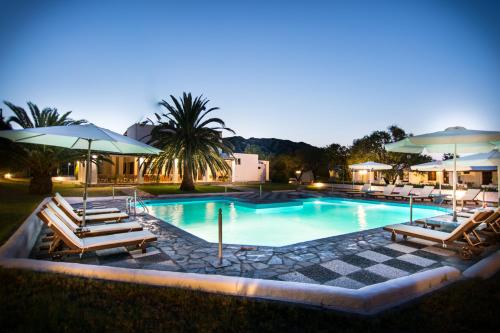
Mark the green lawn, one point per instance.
(15, 206)
(157, 189)
(268, 187)
(49, 302)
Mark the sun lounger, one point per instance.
(464, 231)
(469, 196)
(109, 217)
(365, 189)
(491, 221)
(388, 189)
(424, 194)
(78, 245)
(404, 192)
(61, 201)
(94, 230)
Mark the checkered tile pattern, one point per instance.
(377, 265)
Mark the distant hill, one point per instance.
(267, 145)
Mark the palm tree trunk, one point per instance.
(41, 184)
(187, 178)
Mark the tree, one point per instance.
(337, 156)
(185, 133)
(313, 159)
(372, 148)
(42, 161)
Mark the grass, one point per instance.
(15, 206)
(268, 187)
(51, 302)
(157, 189)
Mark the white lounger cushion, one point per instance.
(405, 191)
(425, 192)
(92, 242)
(117, 239)
(437, 235)
(388, 189)
(100, 210)
(470, 194)
(101, 217)
(109, 216)
(118, 227)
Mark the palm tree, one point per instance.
(186, 134)
(41, 161)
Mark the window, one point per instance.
(431, 176)
(238, 161)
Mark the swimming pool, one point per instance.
(280, 224)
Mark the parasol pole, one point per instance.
(87, 175)
(455, 183)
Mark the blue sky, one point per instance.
(318, 72)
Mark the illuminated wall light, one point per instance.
(8, 176)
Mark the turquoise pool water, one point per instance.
(282, 224)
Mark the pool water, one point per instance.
(282, 223)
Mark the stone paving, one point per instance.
(352, 261)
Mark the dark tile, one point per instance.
(388, 252)
(366, 277)
(412, 244)
(154, 258)
(318, 273)
(428, 255)
(358, 261)
(104, 260)
(404, 265)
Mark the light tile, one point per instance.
(424, 262)
(345, 282)
(371, 255)
(387, 271)
(340, 267)
(401, 248)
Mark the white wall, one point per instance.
(245, 168)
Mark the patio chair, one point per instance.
(491, 222)
(95, 230)
(110, 217)
(388, 189)
(76, 245)
(424, 194)
(365, 189)
(403, 193)
(469, 196)
(464, 231)
(61, 201)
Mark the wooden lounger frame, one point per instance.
(469, 234)
(90, 218)
(60, 238)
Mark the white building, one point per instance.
(125, 169)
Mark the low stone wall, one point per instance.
(367, 300)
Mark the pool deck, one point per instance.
(351, 261)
